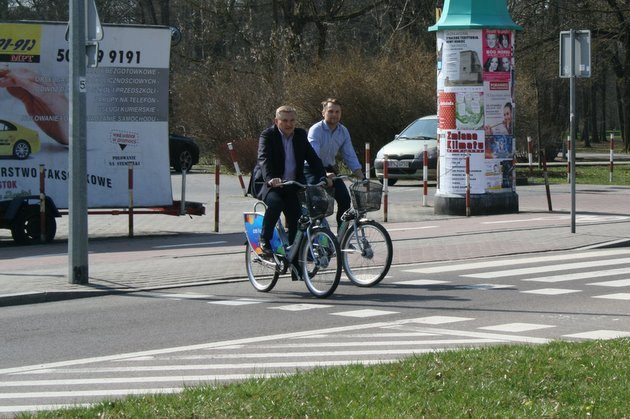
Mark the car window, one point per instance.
(421, 128)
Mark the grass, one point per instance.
(586, 175)
(560, 379)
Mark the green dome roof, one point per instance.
(475, 14)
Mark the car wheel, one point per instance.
(390, 182)
(25, 228)
(183, 161)
(21, 150)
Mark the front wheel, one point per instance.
(26, 226)
(320, 261)
(263, 275)
(367, 253)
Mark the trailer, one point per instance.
(127, 125)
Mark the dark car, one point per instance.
(184, 152)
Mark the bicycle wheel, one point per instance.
(320, 261)
(367, 254)
(262, 275)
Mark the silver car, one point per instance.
(404, 154)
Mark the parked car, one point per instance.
(184, 152)
(405, 153)
(17, 141)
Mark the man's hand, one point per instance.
(274, 182)
(358, 174)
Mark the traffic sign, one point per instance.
(582, 50)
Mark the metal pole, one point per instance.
(468, 185)
(612, 156)
(182, 202)
(217, 175)
(237, 169)
(77, 194)
(546, 176)
(130, 187)
(572, 131)
(385, 186)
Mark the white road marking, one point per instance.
(551, 291)
(549, 268)
(364, 313)
(185, 296)
(516, 327)
(485, 286)
(579, 275)
(503, 262)
(421, 282)
(166, 246)
(366, 344)
(284, 355)
(300, 307)
(618, 283)
(619, 296)
(441, 319)
(237, 302)
(89, 393)
(40, 407)
(411, 228)
(599, 334)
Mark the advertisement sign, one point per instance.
(475, 78)
(127, 114)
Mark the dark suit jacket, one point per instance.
(271, 158)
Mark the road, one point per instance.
(81, 351)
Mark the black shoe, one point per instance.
(267, 252)
(296, 277)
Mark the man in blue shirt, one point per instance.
(329, 137)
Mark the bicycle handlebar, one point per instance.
(301, 185)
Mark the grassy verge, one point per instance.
(561, 379)
(586, 175)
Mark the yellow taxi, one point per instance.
(17, 141)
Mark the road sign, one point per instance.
(582, 58)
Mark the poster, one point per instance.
(475, 80)
(127, 114)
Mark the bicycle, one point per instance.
(314, 256)
(366, 246)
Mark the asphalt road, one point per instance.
(157, 341)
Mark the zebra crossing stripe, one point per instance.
(549, 268)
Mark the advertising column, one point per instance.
(475, 101)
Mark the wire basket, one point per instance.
(317, 202)
(366, 196)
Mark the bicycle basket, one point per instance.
(317, 202)
(366, 196)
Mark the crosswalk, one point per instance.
(370, 334)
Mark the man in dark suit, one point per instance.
(282, 150)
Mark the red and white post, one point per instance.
(217, 175)
(42, 204)
(467, 185)
(612, 156)
(385, 186)
(546, 177)
(368, 158)
(425, 176)
(237, 169)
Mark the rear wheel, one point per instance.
(26, 226)
(367, 253)
(21, 150)
(263, 275)
(390, 181)
(183, 161)
(320, 260)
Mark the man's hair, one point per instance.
(285, 109)
(330, 100)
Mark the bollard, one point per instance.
(367, 160)
(530, 154)
(42, 204)
(385, 186)
(182, 202)
(236, 167)
(217, 171)
(569, 159)
(425, 176)
(612, 158)
(468, 185)
(543, 158)
(130, 185)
